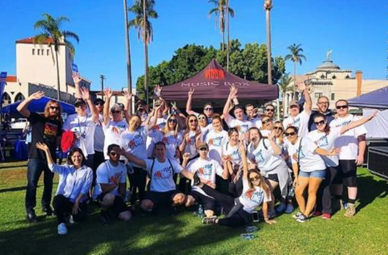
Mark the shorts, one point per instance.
(320, 174)
(273, 177)
(207, 202)
(118, 206)
(348, 172)
(161, 198)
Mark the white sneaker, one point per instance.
(62, 229)
(281, 208)
(71, 219)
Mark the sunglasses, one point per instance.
(319, 123)
(116, 112)
(54, 108)
(256, 178)
(99, 103)
(265, 121)
(270, 110)
(208, 109)
(277, 128)
(172, 120)
(294, 106)
(201, 118)
(289, 134)
(191, 121)
(323, 103)
(203, 149)
(341, 106)
(113, 154)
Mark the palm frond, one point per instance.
(69, 34)
(40, 38)
(70, 46)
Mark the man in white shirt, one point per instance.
(161, 170)
(111, 177)
(207, 108)
(352, 144)
(299, 119)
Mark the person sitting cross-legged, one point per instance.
(161, 170)
(111, 179)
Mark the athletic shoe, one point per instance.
(281, 208)
(71, 219)
(344, 204)
(31, 217)
(208, 220)
(47, 210)
(326, 216)
(296, 216)
(351, 211)
(302, 218)
(271, 214)
(104, 217)
(289, 209)
(317, 213)
(62, 229)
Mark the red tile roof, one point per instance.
(30, 40)
(11, 78)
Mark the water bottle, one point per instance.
(200, 211)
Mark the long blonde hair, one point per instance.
(166, 128)
(47, 110)
(262, 184)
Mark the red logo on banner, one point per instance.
(214, 74)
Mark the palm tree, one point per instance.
(284, 83)
(296, 56)
(51, 29)
(222, 6)
(267, 7)
(143, 10)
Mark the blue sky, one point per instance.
(356, 31)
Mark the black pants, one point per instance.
(98, 159)
(35, 167)
(324, 193)
(63, 206)
(236, 189)
(137, 184)
(238, 218)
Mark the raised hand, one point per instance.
(301, 86)
(157, 90)
(233, 91)
(42, 146)
(271, 135)
(186, 156)
(37, 95)
(127, 95)
(108, 93)
(191, 92)
(85, 94)
(76, 78)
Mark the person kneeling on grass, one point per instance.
(161, 170)
(239, 211)
(111, 177)
(75, 180)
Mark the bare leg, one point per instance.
(299, 190)
(312, 197)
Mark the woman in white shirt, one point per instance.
(239, 211)
(75, 180)
(266, 126)
(172, 137)
(309, 170)
(216, 139)
(324, 137)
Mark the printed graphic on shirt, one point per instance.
(136, 141)
(254, 196)
(259, 158)
(216, 141)
(296, 122)
(300, 154)
(323, 141)
(115, 179)
(172, 139)
(206, 170)
(344, 123)
(235, 155)
(191, 140)
(159, 126)
(163, 174)
(50, 129)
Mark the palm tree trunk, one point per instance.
(145, 19)
(294, 88)
(269, 64)
(223, 41)
(128, 49)
(227, 30)
(58, 81)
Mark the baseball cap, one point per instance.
(293, 102)
(202, 145)
(98, 100)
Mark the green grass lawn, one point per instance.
(366, 233)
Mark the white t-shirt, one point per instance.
(191, 146)
(106, 172)
(172, 141)
(84, 126)
(326, 142)
(205, 131)
(301, 121)
(348, 141)
(135, 142)
(113, 131)
(242, 125)
(155, 135)
(207, 169)
(265, 132)
(233, 152)
(264, 157)
(162, 174)
(252, 198)
(215, 142)
(256, 122)
(308, 161)
(99, 136)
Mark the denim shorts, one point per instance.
(315, 174)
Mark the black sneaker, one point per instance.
(104, 217)
(47, 210)
(302, 218)
(196, 179)
(31, 217)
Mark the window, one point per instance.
(322, 76)
(33, 51)
(6, 99)
(19, 97)
(332, 96)
(317, 95)
(48, 52)
(334, 77)
(38, 51)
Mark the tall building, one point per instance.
(36, 70)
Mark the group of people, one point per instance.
(228, 163)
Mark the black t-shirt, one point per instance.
(44, 130)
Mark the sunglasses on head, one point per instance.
(270, 110)
(289, 134)
(253, 179)
(278, 128)
(208, 109)
(342, 106)
(172, 120)
(318, 123)
(116, 112)
(203, 149)
(54, 108)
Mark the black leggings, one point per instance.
(236, 189)
(324, 194)
(137, 181)
(63, 206)
(237, 218)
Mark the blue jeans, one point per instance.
(320, 174)
(35, 168)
